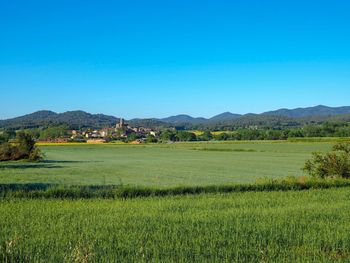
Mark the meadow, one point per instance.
(182, 202)
(294, 226)
(163, 165)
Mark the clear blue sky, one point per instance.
(160, 58)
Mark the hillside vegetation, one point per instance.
(224, 121)
(74, 119)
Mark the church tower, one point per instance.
(121, 124)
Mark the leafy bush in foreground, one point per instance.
(335, 164)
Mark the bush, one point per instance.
(151, 139)
(334, 164)
(23, 148)
(6, 151)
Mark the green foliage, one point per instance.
(54, 132)
(73, 119)
(6, 151)
(222, 136)
(22, 148)
(248, 127)
(265, 130)
(151, 139)
(185, 136)
(332, 164)
(181, 135)
(132, 137)
(25, 142)
(206, 136)
(342, 146)
(7, 135)
(149, 123)
(167, 135)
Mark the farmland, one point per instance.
(163, 165)
(252, 225)
(308, 226)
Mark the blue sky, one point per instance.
(160, 58)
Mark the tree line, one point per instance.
(254, 133)
(327, 129)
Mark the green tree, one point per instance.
(185, 136)
(167, 135)
(132, 137)
(7, 135)
(273, 135)
(222, 136)
(151, 139)
(312, 131)
(54, 132)
(333, 164)
(206, 136)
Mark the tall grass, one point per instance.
(129, 191)
(305, 226)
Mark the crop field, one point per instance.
(163, 165)
(304, 226)
(182, 202)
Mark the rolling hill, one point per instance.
(226, 116)
(281, 117)
(319, 110)
(74, 119)
(182, 118)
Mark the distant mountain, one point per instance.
(261, 120)
(78, 119)
(148, 123)
(320, 110)
(226, 120)
(74, 119)
(226, 116)
(29, 120)
(180, 119)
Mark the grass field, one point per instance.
(306, 226)
(235, 221)
(163, 165)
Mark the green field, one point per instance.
(306, 226)
(163, 165)
(216, 226)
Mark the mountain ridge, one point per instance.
(76, 119)
(319, 110)
(81, 119)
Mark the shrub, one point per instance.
(6, 151)
(334, 164)
(22, 148)
(151, 139)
